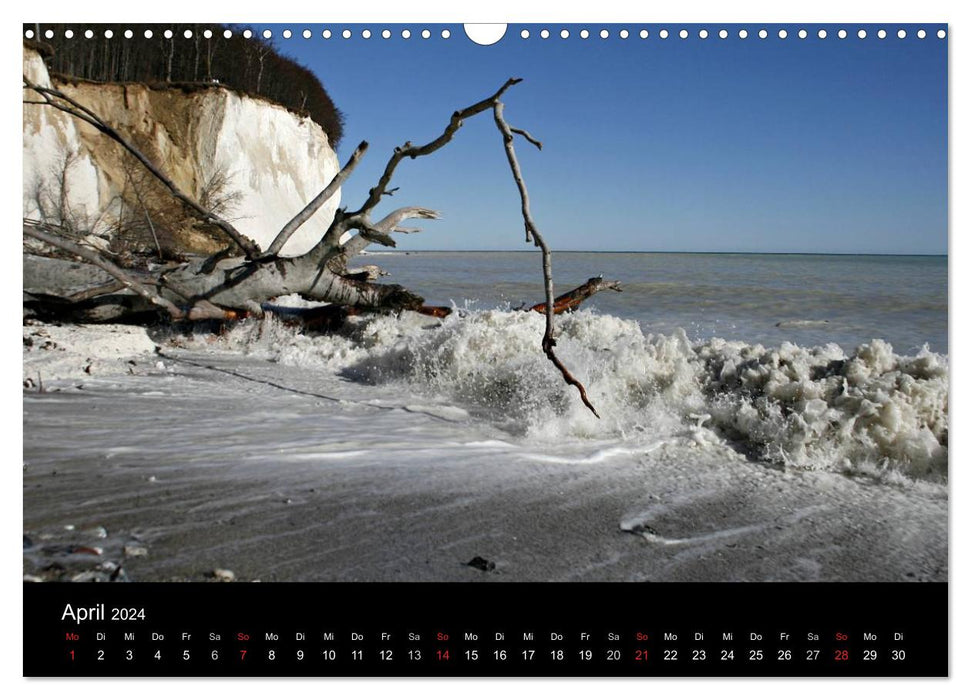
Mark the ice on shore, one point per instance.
(869, 410)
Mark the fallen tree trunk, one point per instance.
(224, 287)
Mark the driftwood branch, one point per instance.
(532, 233)
(64, 103)
(317, 202)
(389, 224)
(410, 151)
(35, 231)
(572, 299)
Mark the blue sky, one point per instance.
(755, 145)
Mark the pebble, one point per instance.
(100, 532)
(134, 550)
(81, 549)
(159, 365)
(224, 575)
(88, 576)
(482, 564)
(151, 479)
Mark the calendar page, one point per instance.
(485, 350)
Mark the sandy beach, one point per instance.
(167, 464)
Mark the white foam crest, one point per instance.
(804, 407)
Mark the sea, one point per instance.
(812, 361)
(761, 417)
(758, 298)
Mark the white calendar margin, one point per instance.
(438, 11)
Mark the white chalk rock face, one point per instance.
(52, 146)
(274, 161)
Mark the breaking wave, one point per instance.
(817, 408)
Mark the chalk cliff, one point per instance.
(272, 161)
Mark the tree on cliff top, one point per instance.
(192, 56)
(224, 288)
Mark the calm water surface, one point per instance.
(805, 299)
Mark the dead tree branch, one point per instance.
(572, 299)
(532, 233)
(94, 258)
(317, 202)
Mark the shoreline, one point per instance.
(343, 482)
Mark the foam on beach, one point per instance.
(868, 410)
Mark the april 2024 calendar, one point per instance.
(517, 350)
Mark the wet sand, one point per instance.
(216, 462)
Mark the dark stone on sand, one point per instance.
(482, 564)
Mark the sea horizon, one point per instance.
(656, 252)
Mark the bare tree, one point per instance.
(224, 287)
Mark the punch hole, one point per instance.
(743, 34)
(941, 34)
(663, 34)
(821, 33)
(129, 34)
(624, 33)
(901, 34)
(487, 34)
(882, 34)
(545, 34)
(584, 34)
(644, 34)
(861, 33)
(763, 34)
(783, 33)
(524, 34)
(921, 34)
(109, 33)
(841, 33)
(723, 34)
(287, 34)
(366, 34)
(386, 34)
(564, 34)
(683, 34)
(803, 33)
(425, 34)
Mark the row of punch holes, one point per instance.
(524, 34)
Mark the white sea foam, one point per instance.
(869, 411)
